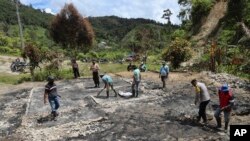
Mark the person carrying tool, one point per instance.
(226, 100)
(108, 84)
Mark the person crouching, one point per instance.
(108, 84)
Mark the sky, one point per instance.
(148, 9)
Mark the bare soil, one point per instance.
(157, 114)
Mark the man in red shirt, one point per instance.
(226, 100)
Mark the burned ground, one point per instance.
(157, 114)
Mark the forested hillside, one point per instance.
(36, 25)
(28, 15)
(229, 37)
(115, 28)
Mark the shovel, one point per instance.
(99, 93)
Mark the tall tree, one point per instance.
(185, 11)
(71, 30)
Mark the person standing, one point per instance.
(129, 67)
(203, 96)
(143, 67)
(136, 81)
(75, 68)
(164, 71)
(226, 100)
(108, 84)
(52, 96)
(95, 68)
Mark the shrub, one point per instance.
(80, 56)
(58, 74)
(179, 33)
(178, 51)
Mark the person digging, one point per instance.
(226, 101)
(108, 83)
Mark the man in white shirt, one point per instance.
(203, 96)
(95, 68)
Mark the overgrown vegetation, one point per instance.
(178, 52)
(122, 37)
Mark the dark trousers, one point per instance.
(96, 78)
(163, 79)
(135, 88)
(202, 111)
(76, 72)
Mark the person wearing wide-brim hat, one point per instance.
(226, 100)
(108, 84)
(52, 96)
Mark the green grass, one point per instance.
(13, 79)
(108, 68)
(66, 72)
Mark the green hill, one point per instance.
(114, 28)
(146, 36)
(28, 15)
(111, 29)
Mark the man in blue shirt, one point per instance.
(108, 83)
(164, 70)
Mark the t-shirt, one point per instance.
(107, 79)
(137, 74)
(51, 90)
(94, 68)
(75, 65)
(164, 70)
(202, 92)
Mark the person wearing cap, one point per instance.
(164, 71)
(108, 84)
(136, 81)
(226, 100)
(203, 96)
(51, 94)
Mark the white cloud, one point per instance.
(48, 10)
(149, 9)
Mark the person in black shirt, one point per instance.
(51, 95)
(75, 68)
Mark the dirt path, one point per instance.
(216, 13)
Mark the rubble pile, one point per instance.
(157, 114)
